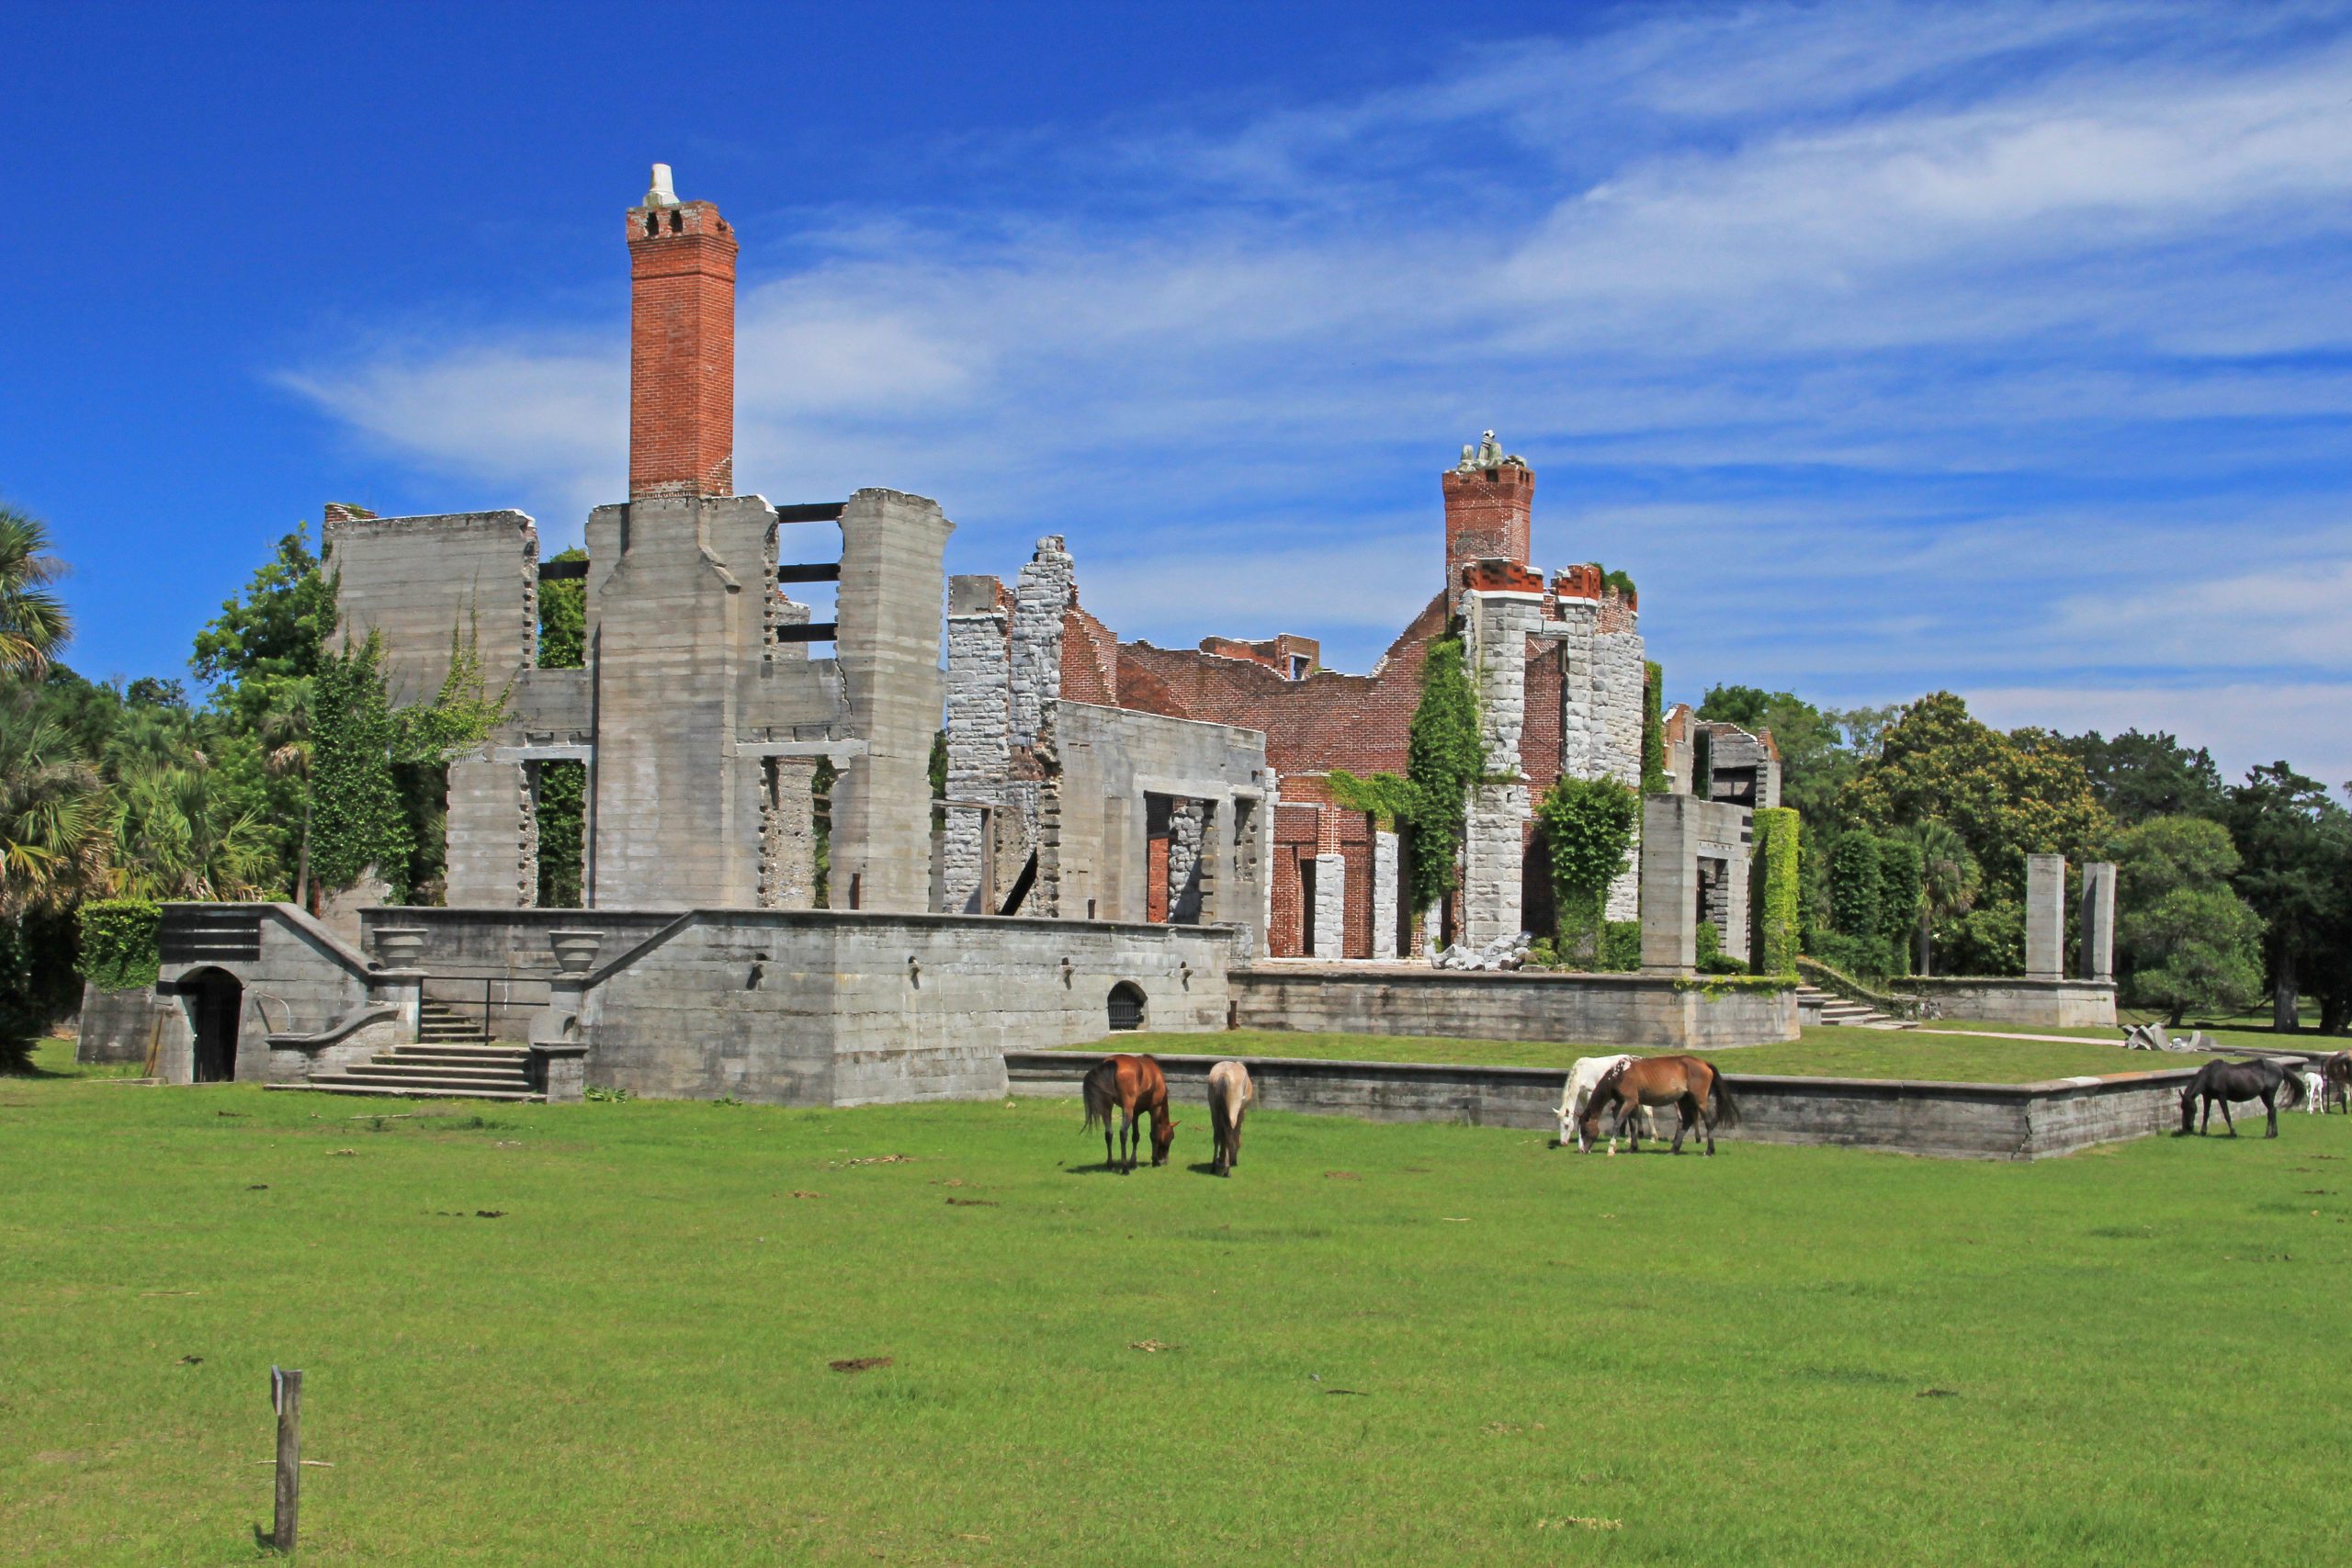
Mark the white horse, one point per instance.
(1230, 1095)
(1582, 1079)
(2314, 1090)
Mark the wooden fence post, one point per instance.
(285, 1395)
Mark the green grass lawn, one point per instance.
(1825, 1052)
(2304, 1040)
(1406, 1344)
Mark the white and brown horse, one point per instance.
(1577, 1093)
(1230, 1096)
(1692, 1086)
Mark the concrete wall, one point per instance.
(2079, 1004)
(505, 954)
(1953, 1121)
(118, 1026)
(1616, 1010)
(418, 580)
(306, 980)
(1110, 758)
(830, 1007)
(892, 578)
(1677, 830)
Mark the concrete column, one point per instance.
(1498, 624)
(2045, 916)
(978, 732)
(492, 837)
(1041, 595)
(1331, 911)
(1185, 824)
(1385, 894)
(2098, 919)
(1669, 882)
(893, 580)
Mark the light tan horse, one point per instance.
(1686, 1082)
(1230, 1096)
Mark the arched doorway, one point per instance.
(216, 1004)
(1126, 1008)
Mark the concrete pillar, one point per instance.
(1331, 911)
(893, 578)
(491, 835)
(1385, 895)
(2099, 921)
(1493, 851)
(2045, 916)
(1669, 882)
(1041, 595)
(978, 733)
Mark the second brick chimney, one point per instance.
(1490, 508)
(681, 346)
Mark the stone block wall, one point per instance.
(420, 581)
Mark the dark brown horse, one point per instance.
(1686, 1082)
(1133, 1086)
(2336, 1080)
(2220, 1083)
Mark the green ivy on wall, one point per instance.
(1774, 902)
(119, 949)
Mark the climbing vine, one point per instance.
(357, 820)
(1442, 759)
(1774, 947)
(1653, 779)
(118, 942)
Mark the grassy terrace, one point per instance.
(601, 1333)
(1824, 1052)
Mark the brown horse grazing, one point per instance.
(1133, 1086)
(1693, 1086)
(2336, 1080)
(1230, 1093)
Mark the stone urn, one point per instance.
(575, 952)
(400, 947)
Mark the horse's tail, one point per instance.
(2291, 1082)
(1100, 1094)
(1727, 1113)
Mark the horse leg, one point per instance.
(2228, 1121)
(1233, 1155)
(1687, 1111)
(2270, 1108)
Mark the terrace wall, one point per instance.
(1950, 1121)
(1621, 1009)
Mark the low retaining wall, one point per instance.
(119, 1026)
(1604, 1010)
(1951, 1120)
(2072, 1004)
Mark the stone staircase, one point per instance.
(1834, 1008)
(453, 1059)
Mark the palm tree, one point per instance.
(176, 836)
(1949, 881)
(52, 839)
(33, 621)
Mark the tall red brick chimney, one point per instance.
(681, 346)
(1489, 507)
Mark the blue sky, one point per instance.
(2004, 347)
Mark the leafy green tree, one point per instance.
(2005, 795)
(34, 623)
(1816, 758)
(277, 632)
(359, 821)
(2184, 937)
(2295, 845)
(1901, 883)
(1857, 905)
(562, 786)
(2140, 776)
(1589, 826)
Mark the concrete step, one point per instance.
(459, 1056)
(439, 1073)
(329, 1083)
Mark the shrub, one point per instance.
(118, 942)
(1620, 946)
(1589, 826)
(1855, 905)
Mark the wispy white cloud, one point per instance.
(1997, 346)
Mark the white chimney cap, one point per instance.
(662, 194)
